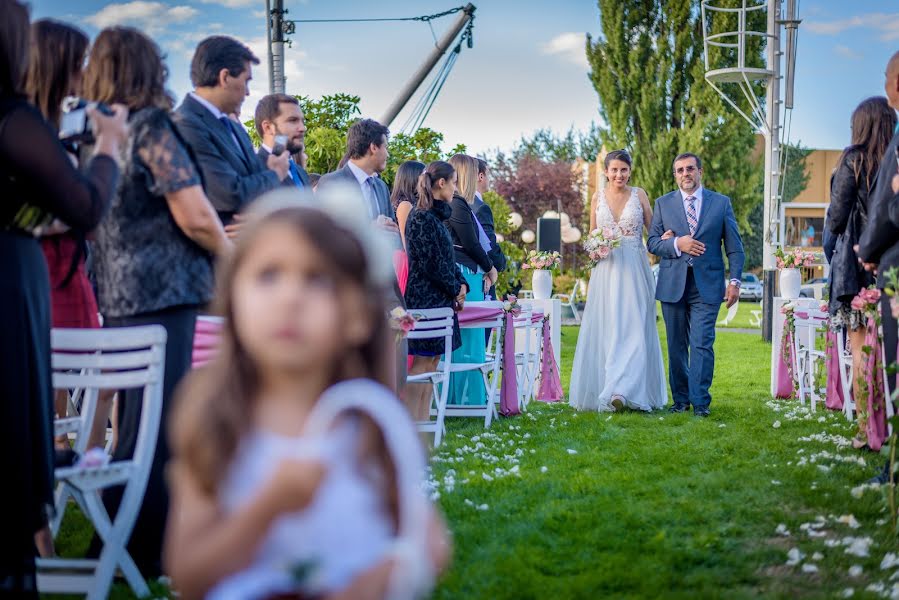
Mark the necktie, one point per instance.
(372, 197)
(692, 221)
(295, 174)
(231, 127)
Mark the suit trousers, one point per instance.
(690, 327)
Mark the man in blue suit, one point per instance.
(691, 279)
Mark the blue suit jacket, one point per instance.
(717, 224)
(345, 175)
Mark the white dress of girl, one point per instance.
(344, 531)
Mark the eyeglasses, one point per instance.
(687, 169)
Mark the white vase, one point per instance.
(542, 284)
(790, 283)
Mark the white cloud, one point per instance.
(847, 52)
(152, 17)
(570, 46)
(886, 25)
(231, 3)
(293, 73)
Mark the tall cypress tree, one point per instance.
(647, 67)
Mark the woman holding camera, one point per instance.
(154, 251)
(38, 183)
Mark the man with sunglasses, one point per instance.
(691, 279)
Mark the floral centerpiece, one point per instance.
(600, 243)
(795, 258)
(542, 264)
(541, 260)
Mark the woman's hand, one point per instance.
(459, 302)
(668, 235)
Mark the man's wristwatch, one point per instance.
(736, 282)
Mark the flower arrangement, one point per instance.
(795, 258)
(541, 260)
(511, 305)
(866, 301)
(600, 243)
(402, 322)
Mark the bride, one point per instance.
(618, 360)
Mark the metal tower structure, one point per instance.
(767, 120)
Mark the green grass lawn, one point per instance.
(743, 320)
(558, 504)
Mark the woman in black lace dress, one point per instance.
(873, 122)
(154, 251)
(37, 184)
(435, 280)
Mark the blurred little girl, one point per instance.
(261, 508)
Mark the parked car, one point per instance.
(751, 288)
(814, 288)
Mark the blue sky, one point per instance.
(526, 70)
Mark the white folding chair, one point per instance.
(434, 323)
(526, 294)
(570, 300)
(806, 353)
(846, 374)
(94, 360)
(490, 369)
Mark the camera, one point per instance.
(75, 126)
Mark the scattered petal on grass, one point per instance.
(858, 546)
(543, 469)
(775, 482)
(809, 568)
(794, 557)
(483, 507)
(847, 593)
(849, 520)
(817, 556)
(609, 418)
(889, 561)
(572, 451)
(855, 571)
(720, 425)
(776, 425)
(782, 530)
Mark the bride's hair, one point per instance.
(621, 155)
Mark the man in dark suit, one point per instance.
(280, 114)
(232, 173)
(691, 278)
(878, 246)
(484, 214)
(367, 151)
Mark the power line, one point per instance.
(425, 18)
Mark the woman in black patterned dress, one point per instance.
(435, 280)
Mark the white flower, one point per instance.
(809, 568)
(776, 425)
(507, 306)
(855, 571)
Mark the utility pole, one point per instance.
(420, 75)
(275, 37)
(771, 236)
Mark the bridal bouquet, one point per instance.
(600, 242)
(541, 260)
(795, 258)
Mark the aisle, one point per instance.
(556, 504)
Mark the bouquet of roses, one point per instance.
(600, 242)
(795, 258)
(541, 260)
(866, 300)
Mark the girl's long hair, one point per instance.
(405, 183)
(873, 124)
(467, 168)
(433, 173)
(57, 56)
(215, 403)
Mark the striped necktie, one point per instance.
(692, 221)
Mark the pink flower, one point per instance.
(858, 303)
(512, 299)
(525, 266)
(607, 232)
(873, 296)
(604, 251)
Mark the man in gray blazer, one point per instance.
(233, 176)
(691, 279)
(367, 149)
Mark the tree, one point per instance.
(648, 70)
(424, 146)
(545, 144)
(510, 279)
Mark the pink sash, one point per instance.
(785, 364)
(834, 395)
(550, 382)
(877, 426)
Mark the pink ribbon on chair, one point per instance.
(206, 338)
(833, 398)
(550, 382)
(785, 365)
(877, 425)
(508, 391)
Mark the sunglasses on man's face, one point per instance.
(682, 170)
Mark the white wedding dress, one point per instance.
(618, 352)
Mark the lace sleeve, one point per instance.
(165, 158)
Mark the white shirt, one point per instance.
(368, 190)
(697, 204)
(218, 114)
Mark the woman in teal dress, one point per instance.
(471, 246)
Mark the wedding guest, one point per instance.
(471, 247)
(878, 247)
(484, 215)
(873, 123)
(435, 280)
(154, 250)
(58, 51)
(253, 492)
(280, 114)
(46, 185)
(402, 199)
(232, 174)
